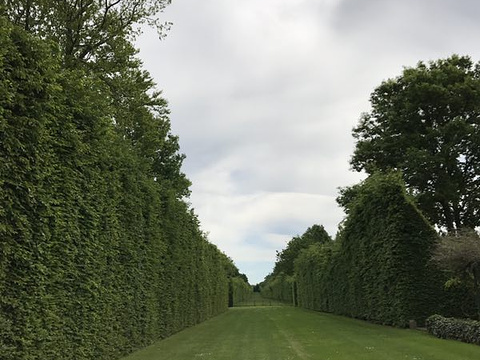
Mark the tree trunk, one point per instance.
(28, 8)
(447, 213)
(457, 216)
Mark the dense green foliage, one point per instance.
(426, 123)
(456, 329)
(96, 34)
(280, 284)
(286, 332)
(240, 291)
(279, 287)
(256, 299)
(99, 253)
(314, 277)
(459, 254)
(286, 258)
(420, 145)
(377, 269)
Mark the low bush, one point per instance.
(465, 330)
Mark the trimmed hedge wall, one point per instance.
(279, 287)
(99, 254)
(280, 284)
(313, 273)
(378, 268)
(240, 291)
(456, 329)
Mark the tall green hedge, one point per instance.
(378, 269)
(99, 254)
(280, 284)
(240, 291)
(313, 274)
(279, 287)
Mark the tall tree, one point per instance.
(97, 36)
(86, 30)
(426, 123)
(286, 258)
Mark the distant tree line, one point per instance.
(100, 252)
(407, 248)
(280, 284)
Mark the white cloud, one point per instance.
(264, 95)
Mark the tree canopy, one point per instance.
(286, 257)
(426, 123)
(96, 36)
(87, 31)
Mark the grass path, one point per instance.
(288, 333)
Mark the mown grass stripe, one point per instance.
(288, 333)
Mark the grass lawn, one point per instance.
(288, 333)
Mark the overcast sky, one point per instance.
(264, 94)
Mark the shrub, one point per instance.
(378, 267)
(100, 253)
(465, 330)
